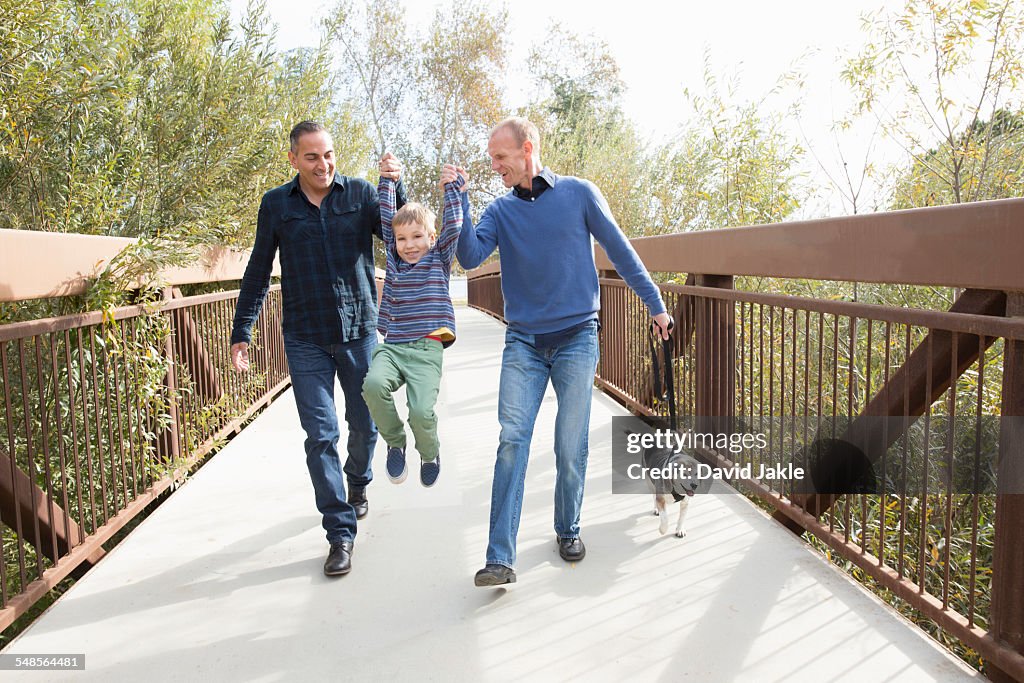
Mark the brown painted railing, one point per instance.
(102, 415)
(900, 382)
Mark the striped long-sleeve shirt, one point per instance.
(416, 302)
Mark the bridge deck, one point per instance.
(224, 582)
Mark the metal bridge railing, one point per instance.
(100, 414)
(931, 400)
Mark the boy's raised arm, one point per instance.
(386, 197)
(456, 206)
(390, 167)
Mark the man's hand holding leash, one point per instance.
(662, 325)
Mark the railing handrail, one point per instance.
(38, 265)
(976, 245)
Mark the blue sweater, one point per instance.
(548, 275)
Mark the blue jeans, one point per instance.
(525, 371)
(313, 369)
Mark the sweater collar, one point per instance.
(541, 182)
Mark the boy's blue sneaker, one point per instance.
(429, 471)
(396, 465)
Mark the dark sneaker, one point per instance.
(429, 471)
(396, 464)
(357, 499)
(339, 559)
(494, 575)
(571, 549)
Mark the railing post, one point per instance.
(715, 358)
(190, 349)
(484, 292)
(906, 392)
(1007, 615)
(618, 358)
(168, 447)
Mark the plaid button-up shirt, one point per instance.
(327, 275)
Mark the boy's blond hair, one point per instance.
(414, 212)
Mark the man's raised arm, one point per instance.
(477, 242)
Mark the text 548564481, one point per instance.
(50, 662)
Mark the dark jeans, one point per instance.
(313, 369)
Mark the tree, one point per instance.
(149, 118)
(58, 88)
(584, 131)
(941, 71)
(731, 165)
(373, 43)
(429, 98)
(459, 94)
(1001, 140)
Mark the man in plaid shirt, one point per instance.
(323, 225)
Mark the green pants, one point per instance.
(417, 365)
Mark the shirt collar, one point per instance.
(339, 182)
(542, 181)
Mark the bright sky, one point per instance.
(660, 47)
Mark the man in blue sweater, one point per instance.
(543, 230)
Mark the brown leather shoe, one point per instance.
(339, 559)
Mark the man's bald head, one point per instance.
(521, 129)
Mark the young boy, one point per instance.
(416, 320)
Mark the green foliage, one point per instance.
(458, 92)
(941, 77)
(993, 156)
(373, 45)
(428, 98)
(732, 165)
(584, 131)
(149, 118)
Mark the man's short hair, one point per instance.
(522, 129)
(300, 129)
(414, 212)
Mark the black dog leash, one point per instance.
(669, 386)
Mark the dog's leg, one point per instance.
(662, 513)
(680, 529)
